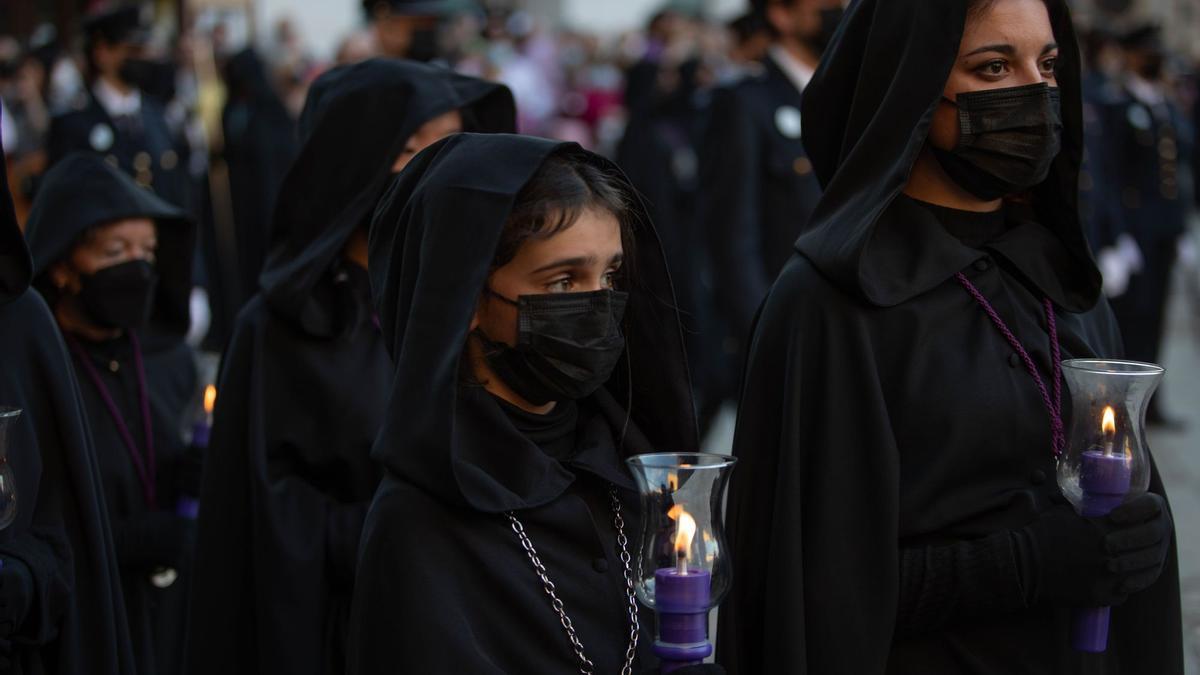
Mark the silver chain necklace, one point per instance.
(585, 664)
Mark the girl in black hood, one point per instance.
(61, 610)
(304, 381)
(526, 304)
(114, 263)
(895, 509)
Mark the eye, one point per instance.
(609, 280)
(562, 285)
(1050, 65)
(994, 68)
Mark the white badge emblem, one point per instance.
(101, 137)
(787, 120)
(1139, 117)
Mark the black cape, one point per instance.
(882, 411)
(304, 384)
(76, 623)
(80, 192)
(443, 583)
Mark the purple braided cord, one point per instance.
(1053, 406)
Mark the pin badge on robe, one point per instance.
(101, 137)
(1139, 117)
(787, 120)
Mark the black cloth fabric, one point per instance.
(444, 584)
(882, 411)
(76, 622)
(304, 383)
(80, 192)
(143, 146)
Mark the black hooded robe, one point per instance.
(444, 585)
(82, 191)
(883, 415)
(76, 622)
(304, 382)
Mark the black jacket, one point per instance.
(757, 189)
(883, 414)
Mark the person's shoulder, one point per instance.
(803, 284)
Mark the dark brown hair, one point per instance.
(566, 185)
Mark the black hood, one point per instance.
(82, 191)
(355, 123)
(16, 267)
(433, 239)
(867, 113)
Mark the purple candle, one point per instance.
(681, 600)
(188, 506)
(1104, 479)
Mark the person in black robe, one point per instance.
(757, 187)
(484, 439)
(120, 120)
(114, 263)
(303, 385)
(259, 144)
(895, 508)
(61, 609)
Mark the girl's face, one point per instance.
(1009, 44)
(105, 246)
(583, 257)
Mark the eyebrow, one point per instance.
(1010, 50)
(578, 261)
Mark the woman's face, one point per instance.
(107, 245)
(426, 135)
(583, 257)
(1008, 44)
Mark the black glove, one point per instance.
(1095, 562)
(16, 595)
(154, 539)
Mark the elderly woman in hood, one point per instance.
(304, 381)
(894, 509)
(114, 263)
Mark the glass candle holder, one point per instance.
(1107, 460)
(683, 568)
(8, 483)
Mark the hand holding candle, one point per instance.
(683, 569)
(1106, 460)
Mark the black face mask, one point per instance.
(567, 344)
(1008, 139)
(120, 296)
(830, 18)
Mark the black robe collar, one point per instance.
(867, 114)
(912, 252)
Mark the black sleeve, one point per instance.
(943, 583)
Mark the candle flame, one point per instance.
(1109, 423)
(210, 398)
(685, 531)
